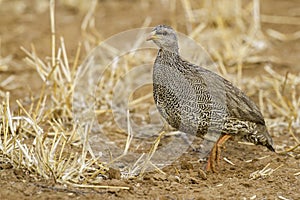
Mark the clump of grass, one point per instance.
(40, 136)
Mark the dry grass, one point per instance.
(42, 137)
(263, 173)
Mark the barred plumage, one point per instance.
(197, 101)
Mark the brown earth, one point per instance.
(22, 23)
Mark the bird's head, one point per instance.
(164, 37)
(262, 137)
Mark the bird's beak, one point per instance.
(152, 36)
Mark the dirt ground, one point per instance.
(22, 23)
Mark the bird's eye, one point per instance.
(162, 33)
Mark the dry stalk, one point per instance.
(265, 172)
(152, 152)
(228, 161)
(99, 186)
(276, 19)
(283, 37)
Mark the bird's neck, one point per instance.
(171, 48)
(168, 54)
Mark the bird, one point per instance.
(195, 100)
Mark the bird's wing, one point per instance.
(241, 106)
(222, 91)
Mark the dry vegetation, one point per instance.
(41, 136)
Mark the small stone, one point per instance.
(185, 165)
(159, 177)
(114, 173)
(194, 180)
(172, 178)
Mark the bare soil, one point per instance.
(22, 24)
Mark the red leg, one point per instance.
(215, 154)
(210, 162)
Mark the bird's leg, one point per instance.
(215, 154)
(219, 145)
(207, 150)
(211, 160)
